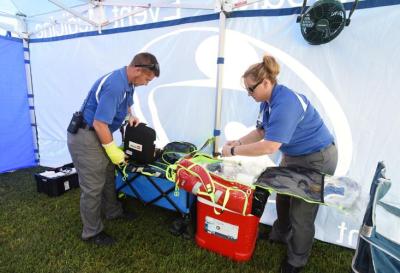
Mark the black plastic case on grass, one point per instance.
(57, 185)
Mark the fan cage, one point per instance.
(323, 21)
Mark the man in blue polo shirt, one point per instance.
(93, 150)
(287, 122)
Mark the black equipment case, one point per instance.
(66, 179)
(139, 143)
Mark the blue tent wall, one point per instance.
(16, 140)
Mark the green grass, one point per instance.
(42, 234)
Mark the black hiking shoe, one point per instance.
(178, 226)
(101, 239)
(288, 268)
(190, 230)
(126, 215)
(277, 237)
(265, 236)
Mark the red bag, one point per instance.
(231, 195)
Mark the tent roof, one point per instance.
(34, 8)
(18, 16)
(39, 7)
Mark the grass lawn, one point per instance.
(42, 234)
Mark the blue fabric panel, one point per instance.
(376, 253)
(387, 260)
(384, 263)
(16, 142)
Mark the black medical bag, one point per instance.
(139, 143)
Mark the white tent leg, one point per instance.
(220, 73)
(32, 113)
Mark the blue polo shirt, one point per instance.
(109, 103)
(290, 119)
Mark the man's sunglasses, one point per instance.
(252, 88)
(152, 67)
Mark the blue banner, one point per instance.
(16, 141)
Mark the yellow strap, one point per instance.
(172, 172)
(147, 173)
(209, 187)
(227, 195)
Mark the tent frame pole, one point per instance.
(30, 94)
(226, 6)
(220, 74)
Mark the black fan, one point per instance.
(323, 21)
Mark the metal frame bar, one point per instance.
(153, 5)
(73, 12)
(5, 14)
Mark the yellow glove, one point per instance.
(114, 153)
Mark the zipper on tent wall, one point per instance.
(31, 99)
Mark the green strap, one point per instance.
(271, 190)
(122, 167)
(156, 167)
(170, 172)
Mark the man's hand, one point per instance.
(133, 120)
(115, 154)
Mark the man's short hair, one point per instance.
(148, 61)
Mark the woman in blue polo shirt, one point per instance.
(287, 122)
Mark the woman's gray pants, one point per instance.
(295, 223)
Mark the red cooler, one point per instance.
(230, 234)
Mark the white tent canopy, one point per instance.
(351, 80)
(27, 18)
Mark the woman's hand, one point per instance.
(233, 143)
(226, 150)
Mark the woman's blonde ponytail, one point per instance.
(267, 69)
(271, 67)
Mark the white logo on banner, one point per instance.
(240, 53)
